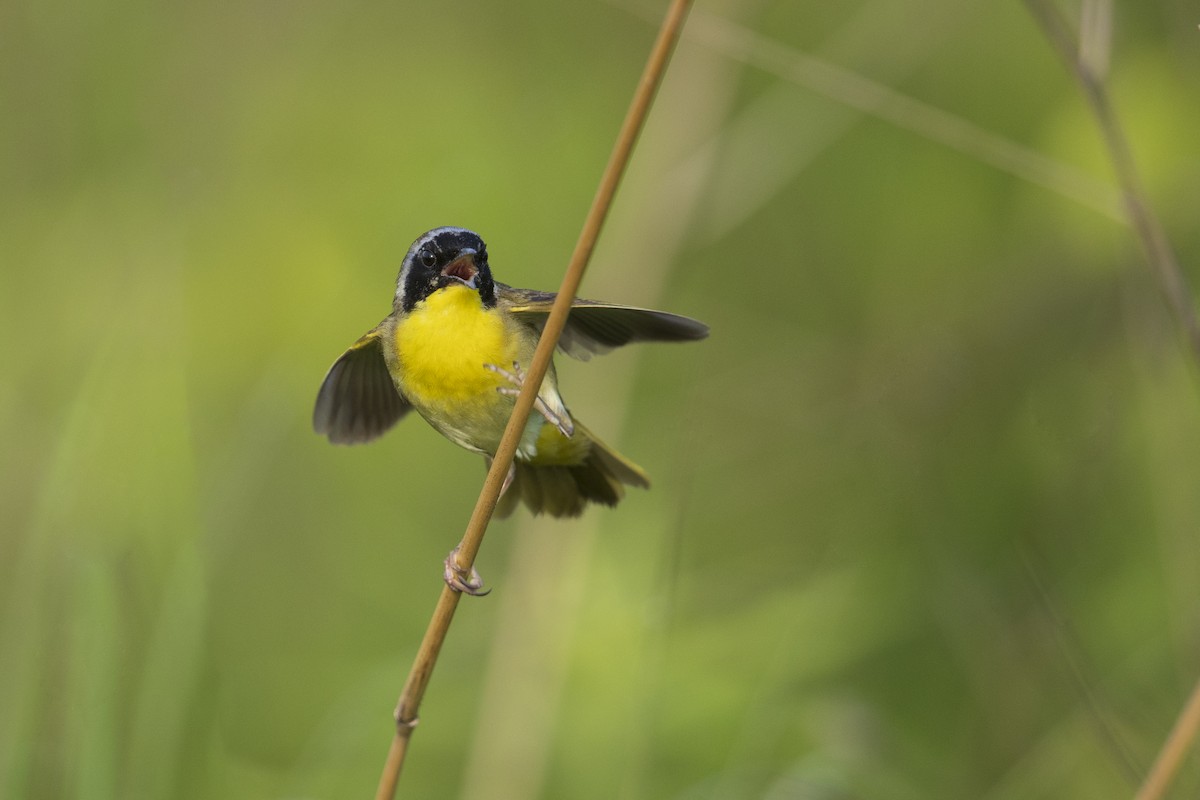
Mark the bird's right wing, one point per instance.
(358, 401)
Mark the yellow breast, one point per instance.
(441, 347)
(443, 344)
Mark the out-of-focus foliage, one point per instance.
(925, 515)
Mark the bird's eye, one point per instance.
(427, 257)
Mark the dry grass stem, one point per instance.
(901, 110)
(1171, 280)
(1098, 714)
(418, 680)
(1173, 750)
(1087, 64)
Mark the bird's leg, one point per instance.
(459, 580)
(455, 576)
(508, 479)
(517, 378)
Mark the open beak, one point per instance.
(463, 267)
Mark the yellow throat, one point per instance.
(442, 345)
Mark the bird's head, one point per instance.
(444, 257)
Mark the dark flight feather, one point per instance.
(358, 401)
(595, 327)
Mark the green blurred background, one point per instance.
(925, 512)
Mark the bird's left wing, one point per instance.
(595, 327)
(358, 401)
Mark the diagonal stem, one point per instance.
(1175, 290)
(1173, 750)
(418, 679)
(1149, 230)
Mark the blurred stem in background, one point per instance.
(928, 346)
(462, 558)
(1084, 60)
(550, 567)
(1088, 61)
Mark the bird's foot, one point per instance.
(517, 378)
(460, 580)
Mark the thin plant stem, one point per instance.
(905, 112)
(407, 708)
(1149, 229)
(1099, 716)
(1173, 750)
(1172, 284)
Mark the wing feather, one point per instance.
(357, 401)
(595, 327)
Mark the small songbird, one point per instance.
(454, 348)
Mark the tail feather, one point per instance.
(615, 464)
(565, 490)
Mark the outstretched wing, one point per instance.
(594, 327)
(358, 401)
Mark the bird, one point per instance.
(454, 349)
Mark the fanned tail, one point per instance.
(565, 490)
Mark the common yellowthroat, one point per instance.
(454, 348)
